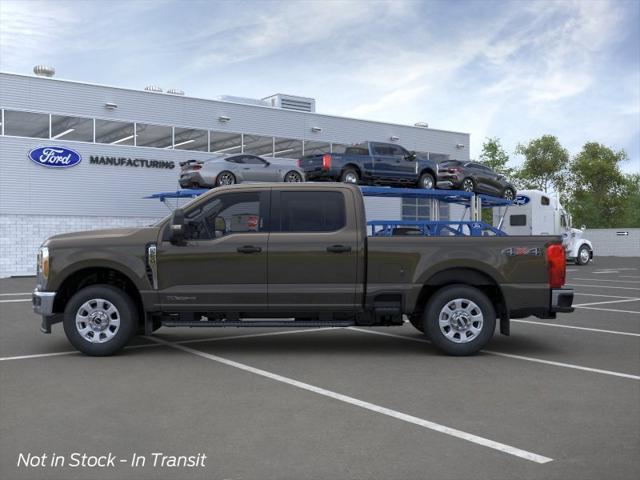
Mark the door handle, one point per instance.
(338, 248)
(249, 249)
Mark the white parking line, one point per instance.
(610, 310)
(14, 294)
(509, 355)
(629, 276)
(599, 295)
(606, 280)
(16, 300)
(469, 437)
(632, 299)
(180, 342)
(598, 330)
(602, 286)
(605, 272)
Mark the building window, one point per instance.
(191, 139)
(316, 148)
(224, 142)
(115, 133)
(258, 145)
(338, 147)
(287, 148)
(26, 124)
(419, 209)
(157, 136)
(71, 128)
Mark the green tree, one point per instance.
(631, 210)
(545, 164)
(598, 191)
(495, 157)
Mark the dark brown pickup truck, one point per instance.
(298, 252)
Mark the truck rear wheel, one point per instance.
(99, 320)
(350, 175)
(459, 320)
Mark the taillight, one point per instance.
(196, 167)
(326, 161)
(454, 170)
(299, 162)
(556, 262)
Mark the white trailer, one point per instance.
(536, 213)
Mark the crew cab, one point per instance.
(372, 163)
(300, 252)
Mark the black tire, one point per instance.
(126, 312)
(468, 185)
(348, 174)
(486, 327)
(427, 182)
(293, 177)
(509, 194)
(581, 250)
(222, 177)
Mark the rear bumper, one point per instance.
(42, 303)
(188, 180)
(448, 181)
(561, 300)
(319, 174)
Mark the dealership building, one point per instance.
(128, 145)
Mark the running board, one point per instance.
(259, 323)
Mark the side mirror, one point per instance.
(177, 226)
(411, 156)
(583, 227)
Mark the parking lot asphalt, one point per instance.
(557, 399)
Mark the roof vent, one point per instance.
(292, 102)
(44, 71)
(175, 91)
(421, 124)
(153, 88)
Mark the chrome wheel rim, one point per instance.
(293, 177)
(461, 320)
(427, 182)
(508, 194)
(584, 255)
(226, 179)
(350, 177)
(97, 320)
(467, 185)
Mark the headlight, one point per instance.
(43, 262)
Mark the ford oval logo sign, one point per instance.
(55, 157)
(521, 200)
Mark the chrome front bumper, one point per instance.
(42, 303)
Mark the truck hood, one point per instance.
(108, 237)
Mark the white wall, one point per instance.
(607, 242)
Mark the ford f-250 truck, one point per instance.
(372, 163)
(301, 251)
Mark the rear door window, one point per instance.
(311, 211)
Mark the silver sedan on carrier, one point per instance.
(230, 169)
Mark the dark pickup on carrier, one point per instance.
(372, 163)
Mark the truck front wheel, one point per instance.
(99, 320)
(584, 255)
(459, 320)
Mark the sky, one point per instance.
(515, 70)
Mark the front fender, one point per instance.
(66, 262)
